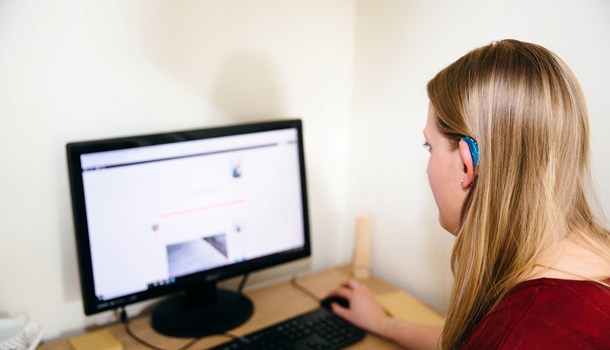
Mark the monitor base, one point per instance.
(180, 317)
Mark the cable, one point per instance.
(300, 287)
(191, 343)
(229, 335)
(242, 283)
(122, 314)
(125, 320)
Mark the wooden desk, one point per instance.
(271, 304)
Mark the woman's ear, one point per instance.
(468, 164)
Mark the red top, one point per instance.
(547, 313)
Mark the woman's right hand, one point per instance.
(363, 310)
(365, 313)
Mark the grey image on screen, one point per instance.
(219, 242)
(196, 255)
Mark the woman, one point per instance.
(508, 138)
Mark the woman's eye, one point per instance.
(426, 145)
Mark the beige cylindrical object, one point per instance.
(362, 248)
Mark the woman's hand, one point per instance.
(363, 310)
(365, 313)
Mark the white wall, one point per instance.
(400, 46)
(354, 70)
(73, 70)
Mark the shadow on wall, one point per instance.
(239, 86)
(246, 90)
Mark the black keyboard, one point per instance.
(318, 329)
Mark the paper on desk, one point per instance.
(403, 306)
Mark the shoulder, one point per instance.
(547, 313)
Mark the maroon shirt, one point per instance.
(547, 313)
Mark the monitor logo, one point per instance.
(212, 277)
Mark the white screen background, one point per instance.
(205, 211)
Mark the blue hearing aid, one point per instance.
(474, 149)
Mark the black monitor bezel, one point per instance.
(75, 149)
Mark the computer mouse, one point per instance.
(326, 302)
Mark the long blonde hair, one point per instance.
(526, 110)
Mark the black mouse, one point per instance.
(326, 302)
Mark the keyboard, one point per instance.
(318, 329)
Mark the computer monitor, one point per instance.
(177, 212)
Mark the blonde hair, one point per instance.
(526, 110)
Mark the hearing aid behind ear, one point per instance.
(474, 149)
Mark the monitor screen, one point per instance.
(158, 214)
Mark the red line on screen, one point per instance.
(205, 207)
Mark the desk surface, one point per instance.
(271, 304)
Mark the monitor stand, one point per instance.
(202, 310)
